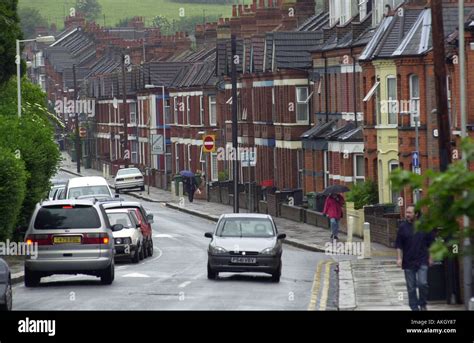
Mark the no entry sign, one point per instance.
(209, 143)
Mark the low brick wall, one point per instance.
(383, 229)
(316, 219)
(262, 207)
(272, 205)
(225, 196)
(214, 195)
(292, 212)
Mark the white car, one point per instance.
(127, 178)
(129, 240)
(87, 186)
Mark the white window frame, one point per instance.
(345, 13)
(356, 176)
(212, 121)
(414, 101)
(363, 9)
(132, 108)
(274, 114)
(188, 159)
(214, 167)
(392, 163)
(201, 110)
(175, 110)
(326, 168)
(176, 157)
(188, 110)
(305, 102)
(334, 12)
(390, 100)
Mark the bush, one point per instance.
(12, 191)
(223, 175)
(362, 194)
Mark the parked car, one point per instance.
(91, 185)
(245, 243)
(128, 178)
(144, 219)
(6, 296)
(56, 191)
(73, 237)
(129, 240)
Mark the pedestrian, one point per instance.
(333, 210)
(414, 258)
(190, 188)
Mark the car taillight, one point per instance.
(95, 238)
(39, 239)
(138, 177)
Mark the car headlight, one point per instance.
(268, 251)
(217, 250)
(126, 240)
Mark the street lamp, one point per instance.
(41, 39)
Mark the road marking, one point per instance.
(163, 235)
(136, 275)
(324, 296)
(184, 284)
(315, 289)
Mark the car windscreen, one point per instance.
(76, 192)
(120, 218)
(246, 227)
(67, 217)
(128, 172)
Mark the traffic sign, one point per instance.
(209, 143)
(82, 132)
(157, 145)
(415, 159)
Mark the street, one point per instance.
(174, 278)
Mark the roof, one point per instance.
(319, 131)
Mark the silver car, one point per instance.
(128, 178)
(245, 243)
(73, 237)
(6, 302)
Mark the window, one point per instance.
(377, 12)
(214, 168)
(212, 110)
(363, 10)
(359, 168)
(133, 112)
(302, 104)
(175, 109)
(274, 113)
(69, 217)
(452, 114)
(201, 110)
(334, 11)
(188, 160)
(345, 11)
(326, 168)
(414, 100)
(392, 165)
(392, 99)
(188, 111)
(134, 156)
(167, 111)
(176, 157)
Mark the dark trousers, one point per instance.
(191, 195)
(417, 279)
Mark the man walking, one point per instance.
(333, 210)
(190, 188)
(413, 258)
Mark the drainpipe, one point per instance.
(354, 84)
(326, 86)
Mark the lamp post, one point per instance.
(41, 39)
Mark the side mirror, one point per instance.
(281, 236)
(149, 218)
(208, 235)
(117, 227)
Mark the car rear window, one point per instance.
(67, 217)
(246, 227)
(120, 218)
(128, 171)
(88, 190)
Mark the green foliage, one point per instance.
(124, 22)
(223, 175)
(449, 197)
(363, 193)
(183, 24)
(90, 8)
(9, 32)
(30, 19)
(12, 191)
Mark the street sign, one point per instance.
(415, 159)
(157, 145)
(209, 143)
(82, 132)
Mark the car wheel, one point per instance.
(8, 305)
(108, 275)
(145, 250)
(136, 255)
(211, 273)
(32, 279)
(142, 252)
(277, 274)
(150, 248)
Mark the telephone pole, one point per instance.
(126, 152)
(234, 124)
(76, 118)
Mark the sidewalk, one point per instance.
(364, 284)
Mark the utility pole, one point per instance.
(234, 123)
(467, 258)
(76, 116)
(444, 136)
(126, 152)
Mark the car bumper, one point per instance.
(121, 250)
(68, 265)
(129, 184)
(264, 264)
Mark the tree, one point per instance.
(449, 197)
(364, 193)
(163, 23)
(9, 32)
(30, 19)
(90, 8)
(124, 22)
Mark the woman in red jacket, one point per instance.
(333, 210)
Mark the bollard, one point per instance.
(471, 304)
(173, 190)
(367, 248)
(350, 228)
(180, 190)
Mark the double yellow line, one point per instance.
(323, 273)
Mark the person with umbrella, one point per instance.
(333, 207)
(189, 181)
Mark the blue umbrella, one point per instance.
(186, 173)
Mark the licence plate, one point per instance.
(67, 240)
(244, 260)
